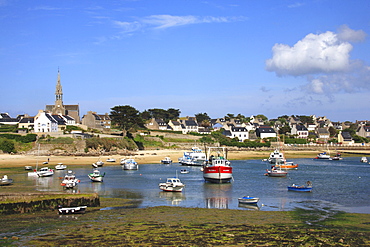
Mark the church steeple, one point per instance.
(58, 107)
(58, 91)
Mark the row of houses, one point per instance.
(256, 128)
(46, 122)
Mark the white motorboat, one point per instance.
(166, 160)
(172, 185)
(60, 166)
(218, 169)
(43, 172)
(363, 160)
(184, 171)
(72, 210)
(70, 180)
(28, 168)
(248, 200)
(99, 163)
(96, 176)
(129, 164)
(196, 157)
(276, 172)
(276, 157)
(111, 160)
(323, 156)
(5, 180)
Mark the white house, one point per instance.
(264, 131)
(44, 122)
(300, 130)
(240, 132)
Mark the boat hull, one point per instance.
(287, 166)
(299, 188)
(171, 188)
(96, 178)
(276, 173)
(218, 174)
(72, 210)
(248, 200)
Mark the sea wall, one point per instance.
(18, 203)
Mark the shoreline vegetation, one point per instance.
(126, 225)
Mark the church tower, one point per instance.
(58, 107)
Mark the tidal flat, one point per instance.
(178, 226)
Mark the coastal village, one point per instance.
(54, 119)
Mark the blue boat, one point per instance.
(301, 188)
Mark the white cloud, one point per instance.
(347, 34)
(168, 21)
(325, 60)
(315, 53)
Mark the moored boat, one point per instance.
(196, 157)
(301, 188)
(248, 200)
(217, 169)
(276, 156)
(60, 166)
(96, 176)
(287, 165)
(111, 160)
(184, 171)
(363, 160)
(43, 172)
(172, 185)
(323, 156)
(72, 210)
(166, 160)
(129, 164)
(276, 172)
(338, 156)
(5, 180)
(70, 180)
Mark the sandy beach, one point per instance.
(145, 157)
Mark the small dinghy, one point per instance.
(248, 200)
(72, 210)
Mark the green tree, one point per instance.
(7, 146)
(332, 131)
(261, 116)
(203, 119)
(126, 118)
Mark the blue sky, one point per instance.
(217, 57)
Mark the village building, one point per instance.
(59, 108)
(265, 131)
(345, 138)
(300, 131)
(96, 121)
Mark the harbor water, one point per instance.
(337, 185)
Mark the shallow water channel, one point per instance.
(337, 185)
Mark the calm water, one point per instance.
(338, 185)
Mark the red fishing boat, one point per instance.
(217, 169)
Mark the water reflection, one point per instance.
(350, 196)
(217, 195)
(249, 206)
(175, 198)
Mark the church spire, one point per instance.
(58, 107)
(58, 91)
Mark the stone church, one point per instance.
(59, 107)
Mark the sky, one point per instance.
(249, 57)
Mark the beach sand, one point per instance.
(142, 157)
